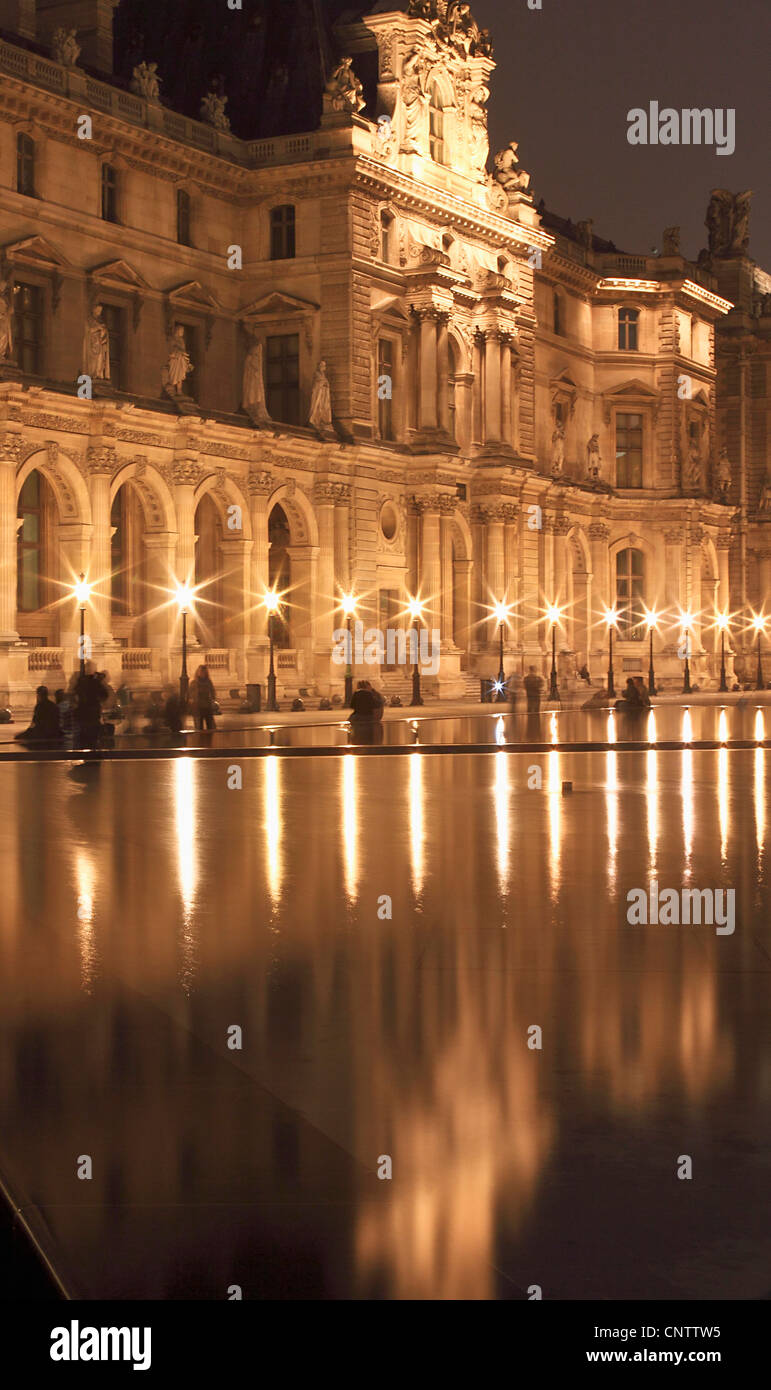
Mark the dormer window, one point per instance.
(628, 321)
(436, 124)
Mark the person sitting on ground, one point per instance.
(379, 701)
(631, 700)
(584, 674)
(364, 703)
(45, 726)
(645, 698)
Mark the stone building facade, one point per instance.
(519, 413)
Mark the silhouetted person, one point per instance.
(203, 698)
(90, 695)
(377, 700)
(364, 704)
(642, 691)
(173, 713)
(45, 727)
(533, 688)
(631, 701)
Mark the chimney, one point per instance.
(91, 18)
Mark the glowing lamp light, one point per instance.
(686, 621)
(610, 617)
(722, 621)
(415, 608)
(272, 601)
(553, 613)
(759, 622)
(184, 596)
(501, 611)
(651, 618)
(497, 687)
(348, 604)
(82, 591)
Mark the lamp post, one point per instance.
(686, 623)
(759, 624)
(272, 603)
(651, 621)
(721, 623)
(610, 617)
(553, 615)
(501, 611)
(82, 591)
(415, 608)
(348, 605)
(184, 600)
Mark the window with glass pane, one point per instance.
(183, 217)
(629, 595)
(436, 125)
(385, 369)
(282, 232)
(628, 320)
(29, 545)
(25, 165)
(114, 320)
(109, 193)
(282, 378)
(629, 451)
(28, 305)
(117, 546)
(385, 237)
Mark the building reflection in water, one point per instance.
(611, 809)
(186, 826)
(651, 726)
(760, 807)
(652, 809)
(350, 825)
(555, 822)
(722, 800)
(722, 727)
(273, 857)
(686, 792)
(502, 793)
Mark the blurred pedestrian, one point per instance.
(203, 699)
(533, 688)
(90, 696)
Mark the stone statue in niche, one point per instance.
(213, 111)
(65, 48)
(505, 168)
(320, 417)
(96, 346)
(594, 460)
(722, 478)
(344, 91)
(415, 104)
(479, 142)
(558, 449)
(764, 505)
(728, 221)
(6, 322)
(693, 471)
(178, 365)
(253, 387)
(145, 83)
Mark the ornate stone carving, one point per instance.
(259, 482)
(100, 459)
(186, 473)
(96, 346)
(721, 482)
(145, 83)
(213, 111)
(598, 531)
(558, 449)
(671, 242)
(728, 221)
(6, 321)
(505, 171)
(10, 446)
(65, 48)
(178, 365)
(674, 535)
(452, 23)
(487, 512)
(344, 91)
(510, 512)
(320, 415)
(142, 437)
(723, 540)
(253, 387)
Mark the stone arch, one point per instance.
(153, 492)
(65, 478)
(462, 536)
(461, 348)
(299, 512)
(225, 492)
(579, 613)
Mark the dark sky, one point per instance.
(567, 75)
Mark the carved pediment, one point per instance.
(277, 305)
(381, 303)
(632, 392)
(118, 273)
(192, 295)
(36, 251)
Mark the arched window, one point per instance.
(558, 316)
(630, 594)
(386, 237)
(628, 321)
(30, 545)
(436, 123)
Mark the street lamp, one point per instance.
(348, 605)
(184, 601)
(651, 621)
(610, 617)
(272, 603)
(759, 624)
(501, 611)
(415, 608)
(686, 623)
(722, 622)
(553, 615)
(82, 591)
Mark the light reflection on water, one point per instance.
(406, 1036)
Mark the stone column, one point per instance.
(326, 597)
(427, 398)
(101, 463)
(464, 407)
(74, 548)
(492, 386)
(186, 473)
(462, 576)
(342, 537)
(494, 570)
(599, 535)
(260, 485)
(236, 564)
(724, 589)
(10, 456)
(506, 417)
(430, 562)
(447, 575)
(161, 616)
(443, 385)
(511, 567)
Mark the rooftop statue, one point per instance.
(344, 91)
(506, 172)
(728, 222)
(145, 83)
(213, 111)
(452, 22)
(65, 48)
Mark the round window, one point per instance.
(389, 521)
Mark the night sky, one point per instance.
(568, 74)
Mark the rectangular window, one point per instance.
(629, 451)
(282, 378)
(29, 546)
(114, 319)
(109, 193)
(28, 305)
(25, 165)
(118, 575)
(385, 387)
(282, 233)
(183, 217)
(628, 320)
(630, 603)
